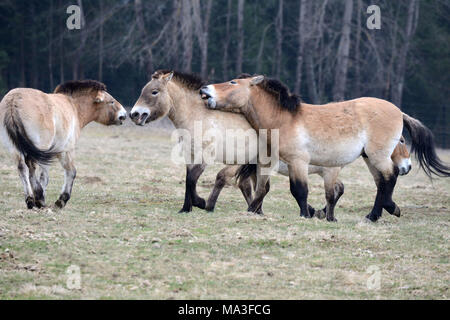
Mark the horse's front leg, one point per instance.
(262, 189)
(191, 198)
(298, 177)
(333, 191)
(70, 173)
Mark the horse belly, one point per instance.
(335, 153)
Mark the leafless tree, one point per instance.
(240, 32)
(340, 79)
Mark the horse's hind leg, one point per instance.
(24, 173)
(44, 178)
(385, 181)
(262, 188)
(191, 198)
(223, 177)
(38, 191)
(70, 173)
(333, 191)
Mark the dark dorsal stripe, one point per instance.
(189, 80)
(72, 87)
(287, 101)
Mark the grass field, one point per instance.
(122, 229)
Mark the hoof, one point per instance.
(332, 219)
(40, 204)
(30, 203)
(60, 204)
(185, 210)
(200, 203)
(396, 212)
(321, 214)
(371, 218)
(208, 209)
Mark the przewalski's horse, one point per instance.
(175, 94)
(37, 127)
(329, 135)
(237, 176)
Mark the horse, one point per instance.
(36, 128)
(331, 135)
(237, 176)
(175, 94)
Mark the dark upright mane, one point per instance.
(72, 87)
(189, 80)
(288, 101)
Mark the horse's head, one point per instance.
(95, 103)
(108, 110)
(230, 96)
(401, 157)
(154, 102)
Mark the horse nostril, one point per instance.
(134, 115)
(122, 118)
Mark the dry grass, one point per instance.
(122, 229)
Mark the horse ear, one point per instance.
(100, 97)
(168, 77)
(256, 80)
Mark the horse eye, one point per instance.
(155, 93)
(233, 82)
(402, 141)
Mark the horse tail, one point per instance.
(245, 171)
(424, 148)
(20, 139)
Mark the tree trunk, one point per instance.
(61, 49)
(240, 31)
(50, 47)
(226, 43)
(279, 35)
(340, 79)
(34, 54)
(411, 26)
(357, 62)
(100, 43)
(187, 37)
(202, 32)
(148, 54)
(23, 81)
(79, 52)
(301, 43)
(261, 49)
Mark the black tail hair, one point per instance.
(18, 135)
(245, 171)
(424, 148)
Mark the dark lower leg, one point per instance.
(377, 209)
(191, 197)
(24, 174)
(218, 186)
(256, 204)
(299, 190)
(38, 191)
(389, 205)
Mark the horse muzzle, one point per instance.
(405, 167)
(140, 116)
(206, 94)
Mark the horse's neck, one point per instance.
(84, 109)
(184, 103)
(261, 115)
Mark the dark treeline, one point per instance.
(322, 49)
